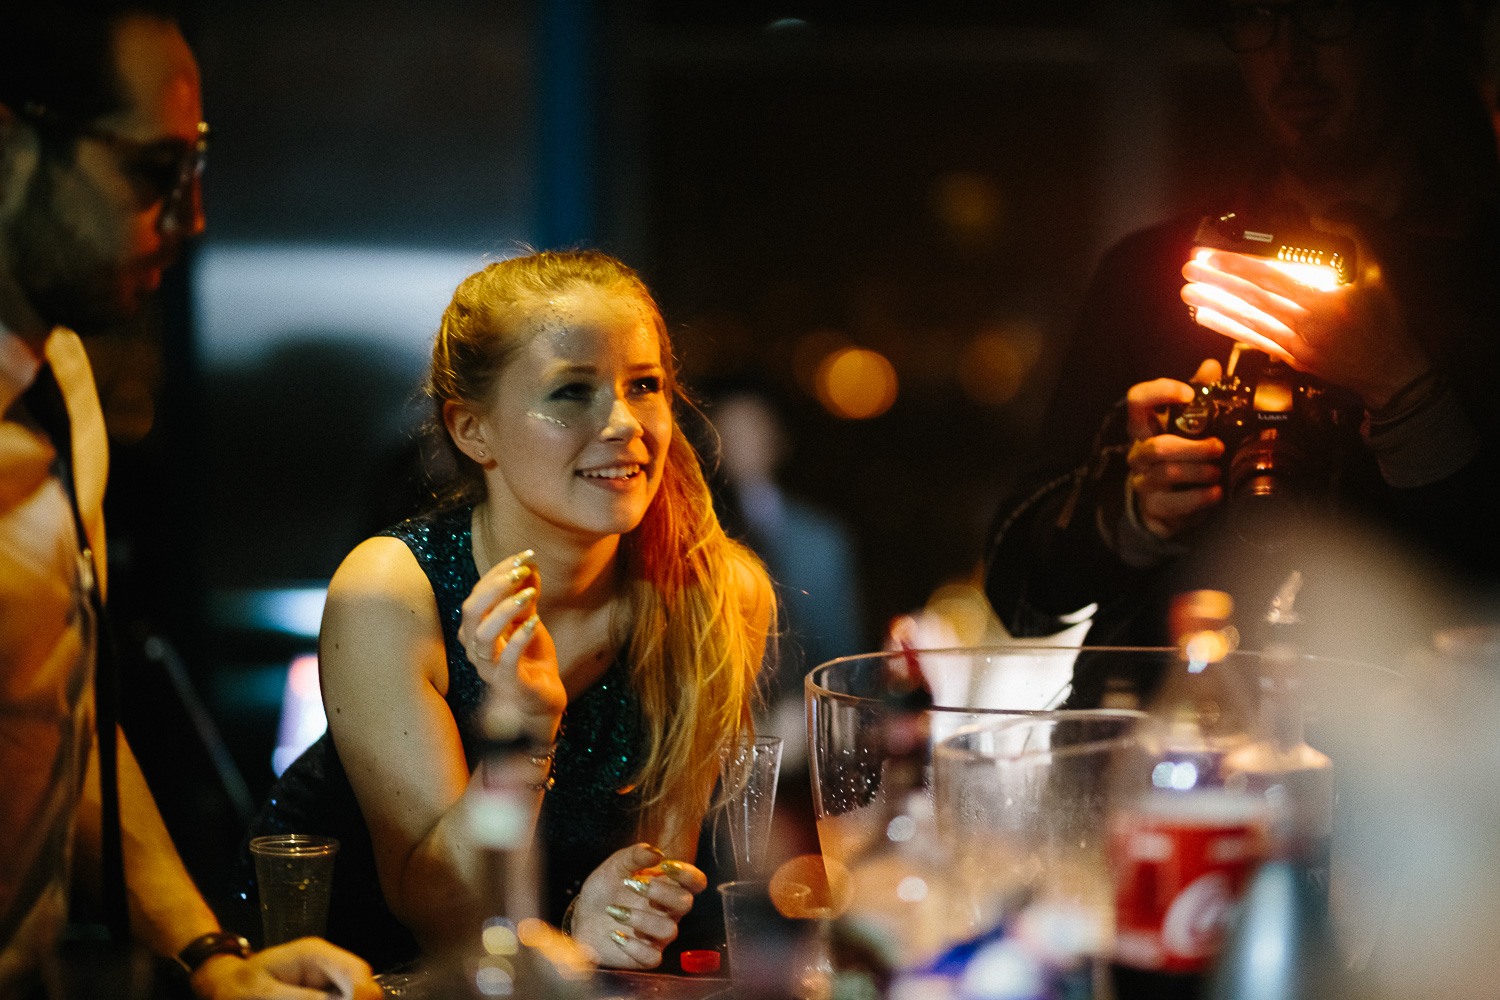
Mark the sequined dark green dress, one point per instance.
(585, 817)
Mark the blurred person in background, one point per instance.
(576, 577)
(809, 554)
(1373, 128)
(101, 145)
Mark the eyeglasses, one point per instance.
(1248, 27)
(161, 171)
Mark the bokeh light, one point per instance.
(968, 205)
(856, 384)
(993, 367)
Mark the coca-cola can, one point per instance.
(1181, 864)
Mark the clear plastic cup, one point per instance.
(750, 770)
(295, 873)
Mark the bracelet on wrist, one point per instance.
(206, 946)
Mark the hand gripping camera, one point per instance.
(1281, 428)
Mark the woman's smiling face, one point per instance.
(579, 420)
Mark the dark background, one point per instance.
(911, 178)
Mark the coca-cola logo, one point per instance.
(1195, 921)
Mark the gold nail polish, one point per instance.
(640, 885)
(653, 849)
(620, 914)
(524, 596)
(618, 938)
(673, 868)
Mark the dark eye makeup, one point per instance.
(572, 391)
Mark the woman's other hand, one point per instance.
(510, 648)
(1175, 479)
(628, 909)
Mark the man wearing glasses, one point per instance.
(101, 148)
(1372, 129)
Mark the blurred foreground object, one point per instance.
(1185, 845)
(515, 954)
(1024, 805)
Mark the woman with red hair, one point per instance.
(578, 578)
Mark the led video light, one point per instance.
(1322, 260)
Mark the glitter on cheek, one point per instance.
(546, 417)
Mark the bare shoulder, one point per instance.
(380, 567)
(381, 614)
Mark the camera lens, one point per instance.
(1267, 487)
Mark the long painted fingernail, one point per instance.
(653, 849)
(530, 624)
(519, 573)
(620, 914)
(618, 939)
(638, 885)
(673, 868)
(524, 596)
(525, 557)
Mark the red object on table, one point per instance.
(698, 962)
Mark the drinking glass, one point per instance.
(1023, 806)
(969, 685)
(750, 770)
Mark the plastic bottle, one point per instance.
(512, 954)
(1281, 946)
(1295, 780)
(1184, 846)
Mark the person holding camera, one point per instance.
(1373, 132)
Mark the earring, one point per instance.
(479, 455)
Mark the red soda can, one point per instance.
(1181, 864)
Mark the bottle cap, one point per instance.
(698, 962)
(1197, 611)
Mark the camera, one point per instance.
(1282, 429)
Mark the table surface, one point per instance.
(607, 984)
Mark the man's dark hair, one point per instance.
(58, 55)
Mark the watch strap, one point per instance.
(201, 949)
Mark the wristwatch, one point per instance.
(201, 949)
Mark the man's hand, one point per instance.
(306, 969)
(1351, 336)
(1175, 479)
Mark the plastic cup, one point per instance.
(763, 945)
(751, 770)
(295, 873)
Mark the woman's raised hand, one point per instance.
(510, 648)
(628, 908)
